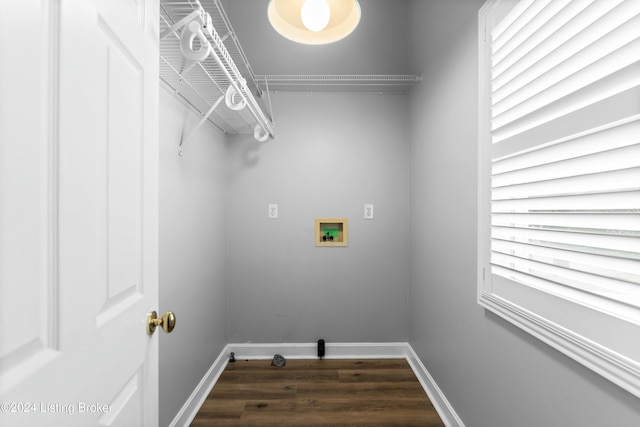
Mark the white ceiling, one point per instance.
(377, 46)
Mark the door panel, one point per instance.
(121, 174)
(126, 406)
(29, 324)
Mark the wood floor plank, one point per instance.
(280, 374)
(376, 392)
(222, 409)
(376, 375)
(274, 390)
(386, 390)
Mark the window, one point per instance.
(559, 176)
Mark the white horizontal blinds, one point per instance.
(565, 124)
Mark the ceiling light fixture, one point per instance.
(314, 21)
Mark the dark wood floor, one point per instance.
(307, 393)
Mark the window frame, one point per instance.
(602, 341)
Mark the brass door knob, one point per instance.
(167, 322)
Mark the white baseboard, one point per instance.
(309, 350)
(191, 407)
(448, 415)
(251, 351)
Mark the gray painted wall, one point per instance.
(333, 153)
(494, 374)
(193, 191)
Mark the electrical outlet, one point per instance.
(273, 211)
(368, 211)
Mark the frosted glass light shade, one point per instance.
(315, 14)
(286, 18)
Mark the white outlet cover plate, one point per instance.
(368, 211)
(273, 210)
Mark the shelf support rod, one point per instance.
(200, 123)
(181, 23)
(266, 83)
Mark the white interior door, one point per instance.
(78, 212)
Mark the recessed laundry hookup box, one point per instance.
(332, 232)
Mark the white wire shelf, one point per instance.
(203, 84)
(375, 83)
